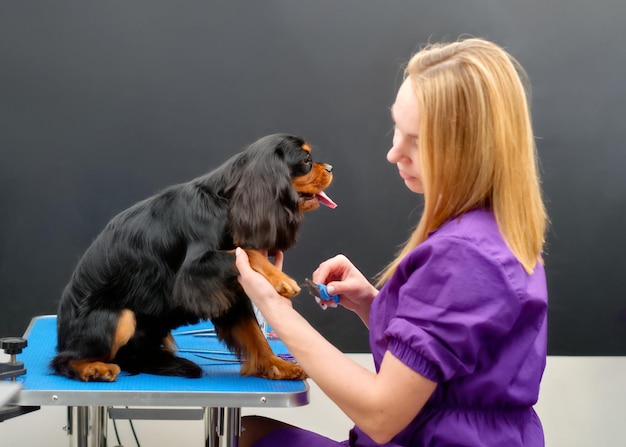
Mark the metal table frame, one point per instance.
(221, 410)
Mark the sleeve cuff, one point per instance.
(414, 360)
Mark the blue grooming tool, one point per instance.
(320, 291)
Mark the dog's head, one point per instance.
(276, 182)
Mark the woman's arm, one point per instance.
(380, 404)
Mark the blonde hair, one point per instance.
(476, 145)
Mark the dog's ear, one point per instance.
(264, 209)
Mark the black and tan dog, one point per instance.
(169, 260)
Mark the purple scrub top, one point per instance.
(461, 311)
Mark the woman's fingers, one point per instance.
(279, 257)
(241, 260)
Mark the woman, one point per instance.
(458, 329)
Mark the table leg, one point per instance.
(82, 426)
(213, 425)
(98, 427)
(69, 428)
(232, 428)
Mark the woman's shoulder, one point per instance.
(476, 228)
(473, 226)
(472, 242)
(474, 236)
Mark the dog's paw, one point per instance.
(274, 368)
(286, 372)
(287, 287)
(98, 372)
(282, 283)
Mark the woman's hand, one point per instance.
(258, 289)
(343, 278)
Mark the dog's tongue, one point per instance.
(325, 200)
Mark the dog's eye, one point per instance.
(303, 166)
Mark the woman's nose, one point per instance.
(392, 155)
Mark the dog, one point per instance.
(169, 261)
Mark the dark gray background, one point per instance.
(104, 103)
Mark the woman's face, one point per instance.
(404, 153)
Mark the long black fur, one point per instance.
(167, 259)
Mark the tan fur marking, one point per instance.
(315, 181)
(310, 184)
(283, 284)
(258, 357)
(168, 343)
(126, 325)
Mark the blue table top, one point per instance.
(220, 385)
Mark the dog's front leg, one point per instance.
(283, 284)
(257, 357)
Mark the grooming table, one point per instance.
(220, 392)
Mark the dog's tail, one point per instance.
(61, 364)
(158, 360)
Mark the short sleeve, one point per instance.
(455, 302)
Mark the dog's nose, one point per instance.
(328, 167)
